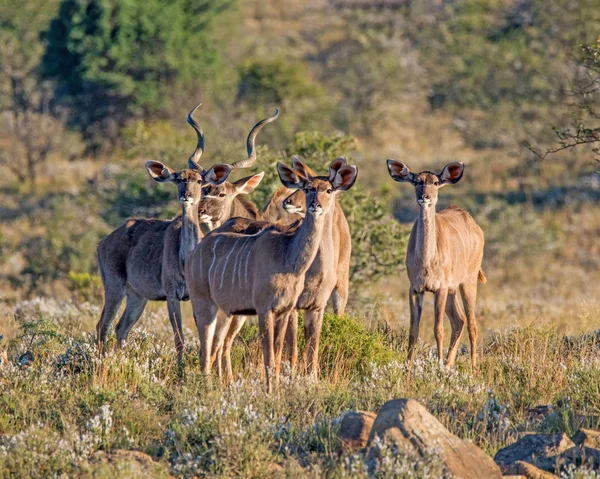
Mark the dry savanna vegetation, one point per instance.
(92, 89)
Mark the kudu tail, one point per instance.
(481, 277)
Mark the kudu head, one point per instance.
(426, 183)
(217, 200)
(190, 180)
(319, 191)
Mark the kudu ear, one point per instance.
(289, 178)
(452, 173)
(399, 171)
(344, 177)
(247, 185)
(159, 171)
(303, 168)
(335, 165)
(217, 174)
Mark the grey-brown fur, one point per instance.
(262, 273)
(444, 256)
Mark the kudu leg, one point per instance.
(313, 322)
(281, 327)
(469, 296)
(205, 314)
(113, 297)
(234, 328)
(266, 324)
(175, 318)
(291, 339)
(133, 310)
(415, 301)
(439, 310)
(221, 328)
(457, 320)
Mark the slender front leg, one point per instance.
(291, 338)
(457, 320)
(266, 324)
(313, 322)
(280, 333)
(440, 308)
(175, 318)
(415, 301)
(205, 314)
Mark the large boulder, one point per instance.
(355, 429)
(124, 463)
(529, 471)
(408, 424)
(544, 451)
(587, 438)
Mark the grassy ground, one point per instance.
(65, 412)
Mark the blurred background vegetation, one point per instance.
(90, 89)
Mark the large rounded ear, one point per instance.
(335, 165)
(247, 185)
(451, 173)
(217, 174)
(303, 168)
(344, 177)
(159, 171)
(289, 178)
(399, 171)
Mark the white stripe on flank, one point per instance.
(213, 259)
(225, 265)
(236, 265)
(247, 261)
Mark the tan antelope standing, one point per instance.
(444, 255)
(319, 281)
(143, 258)
(262, 273)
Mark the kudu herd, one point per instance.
(232, 259)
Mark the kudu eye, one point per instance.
(329, 191)
(437, 183)
(222, 195)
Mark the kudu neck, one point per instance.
(190, 230)
(305, 243)
(427, 240)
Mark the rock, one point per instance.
(131, 464)
(541, 450)
(26, 359)
(590, 456)
(529, 471)
(355, 429)
(540, 412)
(587, 437)
(410, 425)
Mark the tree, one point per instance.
(585, 116)
(118, 59)
(24, 96)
